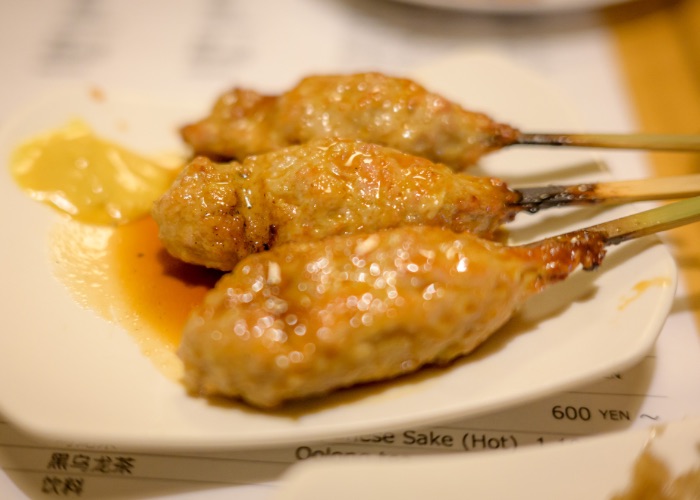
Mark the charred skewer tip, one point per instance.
(648, 222)
(532, 199)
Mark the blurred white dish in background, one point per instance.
(516, 6)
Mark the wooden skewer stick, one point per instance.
(663, 188)
(619, 230)
(648, 222)
(657, 142)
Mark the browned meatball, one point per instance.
(370, 107)
(215, 214)
(307, 318)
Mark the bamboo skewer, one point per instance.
(653, 142)
(649, 222)
(641, 224)
(664, 188)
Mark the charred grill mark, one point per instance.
(534, 199)
(272, 236)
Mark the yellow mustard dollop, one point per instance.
(87, 177)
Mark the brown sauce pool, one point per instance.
(125, 275)
(158, 288)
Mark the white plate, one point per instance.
(516, 6)
(596, 469)
(65, 373)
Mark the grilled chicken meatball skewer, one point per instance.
(216, 214)
(373, 107)
(308, 318)
(369, 107)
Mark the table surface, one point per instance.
(630, 67)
